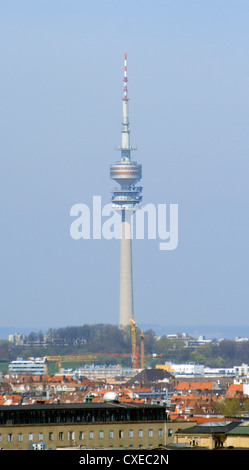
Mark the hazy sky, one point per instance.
(60, 118)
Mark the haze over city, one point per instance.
(61, 112)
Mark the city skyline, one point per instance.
(61, 85)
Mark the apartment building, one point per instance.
(33, 366)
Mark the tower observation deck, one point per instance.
(126, 199)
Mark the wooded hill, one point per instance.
(103, 338)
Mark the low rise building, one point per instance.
(188, 369)
(209, 435)
(238, 437)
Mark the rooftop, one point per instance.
(211, 427)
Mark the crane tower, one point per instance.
(125, 200)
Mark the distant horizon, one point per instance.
(209, 331)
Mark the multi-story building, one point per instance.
(85, 425)
(17, 339)
(32, 366)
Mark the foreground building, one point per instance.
(212, 435)
(87, 425)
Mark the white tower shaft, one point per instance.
(126, 284)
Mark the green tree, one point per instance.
(229, 406)
(246, 404)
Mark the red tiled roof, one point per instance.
(194, 386)
(234, 389)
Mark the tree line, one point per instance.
(102, 338)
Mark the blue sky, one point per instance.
(61, 110)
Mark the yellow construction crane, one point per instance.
(133, 342)
(71, 358)
(142, 350)
(82, 357)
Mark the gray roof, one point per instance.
(211, 427)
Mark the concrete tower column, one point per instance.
(126, 281)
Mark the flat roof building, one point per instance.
(84, 425)
(34, 366)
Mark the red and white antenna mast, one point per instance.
(125, 98)
(125, 130)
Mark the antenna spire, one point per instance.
(125, 78)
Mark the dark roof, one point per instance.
(150, 376)
(72, 406)
(211, 427)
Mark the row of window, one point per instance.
(79, 414)
(82, 435)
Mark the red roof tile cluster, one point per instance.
(191, 400)
(234, 390)
(195, 385)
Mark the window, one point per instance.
(121, 434)
(30, 436)
(131, 433)
(101, 434)
(19, 437)
(91, 434)
(51, 436)
(71, 435)
(111, 434)
(40, 436)
(81, 435)
(170, 432)
(61, 437)
(150, 433)
(140, 433)
(160, 433)
(9, 437)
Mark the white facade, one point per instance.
(188, 369)
(21, 366)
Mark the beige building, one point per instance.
(88, 425)
(212, 435)
(239, 436)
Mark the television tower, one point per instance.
(126, 200)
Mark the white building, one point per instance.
(32, 366)
(16, 339)
(188, 369)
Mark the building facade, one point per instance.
(86, 425)
(210, 435)
(36, 366)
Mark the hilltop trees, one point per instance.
(102, 338)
